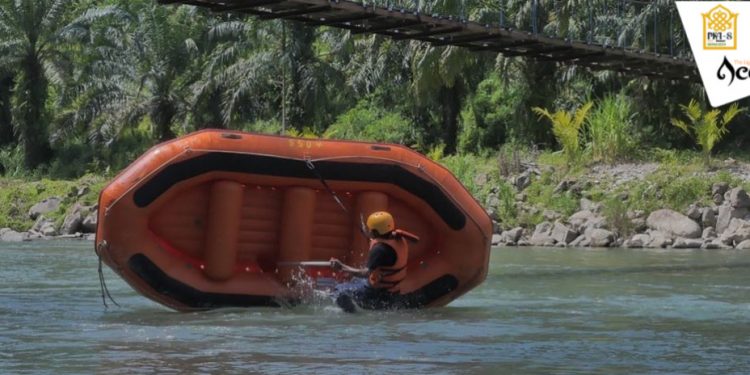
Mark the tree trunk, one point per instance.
(6, 116)
(451, 102)
(301, 55)
(32, 101)
(162, 115)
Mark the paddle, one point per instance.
(310, 263)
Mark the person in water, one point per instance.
(375, 286)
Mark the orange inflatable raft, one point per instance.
(221, 218)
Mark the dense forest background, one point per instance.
(87, 86)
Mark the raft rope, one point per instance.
(102, 283)
(311, 166)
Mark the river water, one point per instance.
(562, 311)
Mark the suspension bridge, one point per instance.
(658, 49)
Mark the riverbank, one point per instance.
(671, 200)
(672, 203)
(48, 209)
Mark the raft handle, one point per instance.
(231, 136)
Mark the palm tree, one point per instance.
(706, 127)
(30, 32)
(141, 68)
(440, 74)
(270, 69)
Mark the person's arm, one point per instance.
(337, 265)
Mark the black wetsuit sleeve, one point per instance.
(381, 255)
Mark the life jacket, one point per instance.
(389, 277)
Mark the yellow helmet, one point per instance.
(381, 223)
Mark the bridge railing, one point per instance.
(638, 25)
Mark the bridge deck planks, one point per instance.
(440, 30)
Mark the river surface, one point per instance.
(561, 311)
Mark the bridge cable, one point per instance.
(502, 13)
(671, 33)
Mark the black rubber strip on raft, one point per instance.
(374, 299)
(282, 167)
(142, 266)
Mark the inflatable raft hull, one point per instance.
(220, 218)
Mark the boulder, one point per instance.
(580, 241)
(694, 212)
(563, 186)
(551, 215)
(9, 235)
(563, 234)
(714, 244)
(637, 241)
(738, 198)
(588, 205)
(495, 239)
(511, 236)
(44, 227)
(674, 223)
(72, 222)
(744, 245)
(687, 243)
(491, 205)
(719, 188)
(583, 220)
(726, 214)
(83, 190)
(658, 239)
(708, 233)
(718, 198)
(738, 231)
(599, 237)
(579, 187)
(708, 217)
(542, 235)
(32, 235)
(522, 181)
(48, 205)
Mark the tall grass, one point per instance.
(609, 131)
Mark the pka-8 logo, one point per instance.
(720, 29)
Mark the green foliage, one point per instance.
(477, 173)
(507, 208)
(541, 194)
(670, 187)
(94, 84)
(436, 152)
(706, 128)
(490, 116)
(366, 123)
(610, 131)
(566, 127)
(616, 213)
(29, 46)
